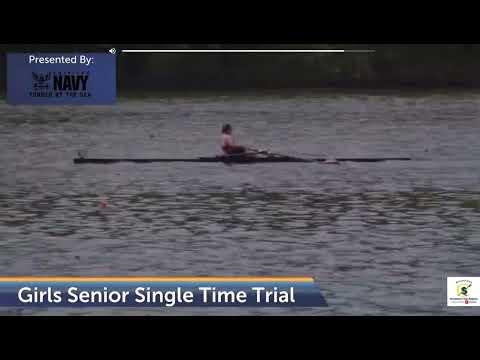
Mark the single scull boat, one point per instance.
(235, 159)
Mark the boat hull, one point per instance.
(234, 160)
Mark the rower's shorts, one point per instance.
(236, 150)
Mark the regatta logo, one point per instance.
(60, 84)
(463, 287)
(463, 291)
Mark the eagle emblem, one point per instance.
(40, 81)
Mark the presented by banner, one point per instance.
(61, 78)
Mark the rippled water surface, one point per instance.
(379, 238)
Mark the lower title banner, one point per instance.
(160, 292)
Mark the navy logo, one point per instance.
(70, 81)
(61, 84)
(41, 81)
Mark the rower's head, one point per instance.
(226, 129)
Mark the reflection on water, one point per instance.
(379, 238)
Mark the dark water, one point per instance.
(379, 238)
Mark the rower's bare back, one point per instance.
(228, 144)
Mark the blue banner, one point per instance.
(159, 292)
(61, 78)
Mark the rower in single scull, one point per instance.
(228, 145)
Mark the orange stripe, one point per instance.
(156, 279)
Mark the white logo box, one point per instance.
(463, 291)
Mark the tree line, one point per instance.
(390, 66)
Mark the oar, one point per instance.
(260, 151)
(314, 157)
(327, 160)
(255, 150)
(266, 152)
